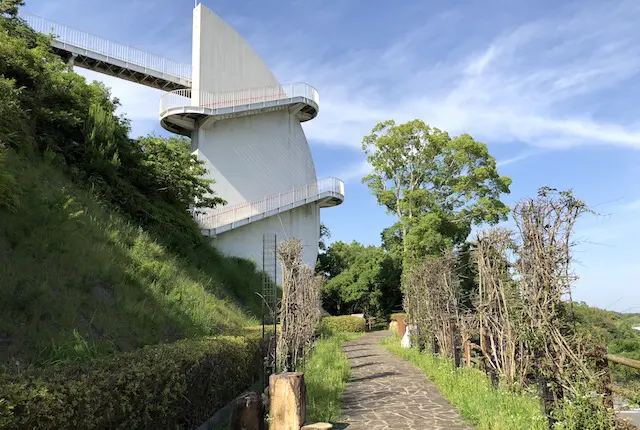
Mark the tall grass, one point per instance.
(471, 392)
(79, 279)
(326, 374)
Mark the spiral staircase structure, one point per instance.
(243, 123)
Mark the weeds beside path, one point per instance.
(470, 391)
(326, 374)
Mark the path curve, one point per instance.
(387, 393)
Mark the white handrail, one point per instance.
(80, 39)
(191, 97)
(215, 218)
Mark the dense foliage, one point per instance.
(176, 385)
(361, 279)
(330, 326)
(437, 186)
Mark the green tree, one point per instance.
(178, 173)
(321, 261)
(9, 8)
(361, 279)
(437, 186)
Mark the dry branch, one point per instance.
(300, 309)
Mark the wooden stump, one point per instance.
(393, 327)
(247, 413)
(288, 401)
(318, 426)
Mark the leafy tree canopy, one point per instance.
(437, 186)
(361, 279)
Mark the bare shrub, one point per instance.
(431, 301)
(565, 363)
(499, 306)
(300, 309)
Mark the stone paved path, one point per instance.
(388, 393)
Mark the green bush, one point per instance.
(394, 317)
(341, 324)
(176, 385)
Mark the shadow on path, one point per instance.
(386, 392)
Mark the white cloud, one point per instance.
(527, 85)
(355, 172)
(633, 206)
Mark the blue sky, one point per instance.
(551, 87)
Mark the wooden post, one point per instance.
(603, 366)
(455, 344)
(247, 413)
(624, 361)
(467, 352)
(288, 401)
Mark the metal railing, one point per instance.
(190, 97)
(229, 214)
(69, 36)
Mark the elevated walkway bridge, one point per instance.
(111, 58)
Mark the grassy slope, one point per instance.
(470, 391)
(326, 374)
(77, 279)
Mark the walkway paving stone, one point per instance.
(388, 393)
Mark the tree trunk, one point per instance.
(288, 401)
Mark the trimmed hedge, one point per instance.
(176, 385)
(330, 326)
(394, 317)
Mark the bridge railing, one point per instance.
(215, 218)
(223, 99)
(66, 36)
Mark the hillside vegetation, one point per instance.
(98, 252)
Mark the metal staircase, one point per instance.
(327, 192)
(182, 110)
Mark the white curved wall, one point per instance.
(246, 242)
(250, 157)
(256, 156)
(221, 59)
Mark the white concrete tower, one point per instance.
(246, 126)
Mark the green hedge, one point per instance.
(330, 326)
(176, 385)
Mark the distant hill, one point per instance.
(615, 330)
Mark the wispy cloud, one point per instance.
(633, 206)
(354, 172)
(507, 161)
(538, 83)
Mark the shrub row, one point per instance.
(330, 326)
(176, 385)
